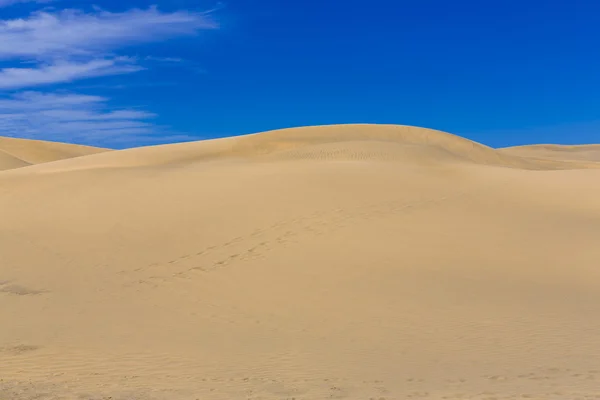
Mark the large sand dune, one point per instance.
(349, 262)
(16, 153)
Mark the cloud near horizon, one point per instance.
(75, 118)
(71, 45)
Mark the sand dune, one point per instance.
(8, 161)
(334, 142)
(16, 153)
(557, 152)
(349, 262)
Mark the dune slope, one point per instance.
(8, 161)
(38, 151)
(351, 262)
(557, 152)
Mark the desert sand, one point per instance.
(16, 153)
(557, 152)
(348, 262)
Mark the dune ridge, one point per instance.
(340, 142)
(346, 262)
(8, 161)
(16, 153)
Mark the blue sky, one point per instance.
(129, 73)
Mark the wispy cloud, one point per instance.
(71, 45)
(76, 118)
(64, 46)
(165, 59)
(67, 33)
(62, 71)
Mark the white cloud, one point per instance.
(35, 101)
(70, 32)
(87, 115)
(75, 118)
(11, 78)
(165, 59)
(69, 45)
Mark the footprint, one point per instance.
(19, 290)
(18, 349)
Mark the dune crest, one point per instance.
(352, 142)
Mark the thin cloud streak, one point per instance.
(12, 78)
(74, 33)
(72, 118)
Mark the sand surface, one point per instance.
(16, 153)
(557, 152)
(343, 262)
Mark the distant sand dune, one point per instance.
(348, 262)
(557, 152)
(29, 152)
